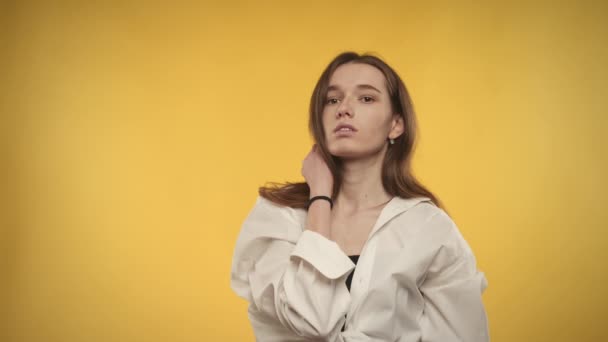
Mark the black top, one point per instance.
(349, 279)
(354, 258)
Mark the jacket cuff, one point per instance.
(323, 254)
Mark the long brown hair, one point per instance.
(397, 176)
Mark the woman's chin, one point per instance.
(351, 152)
(344, 153)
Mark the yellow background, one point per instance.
(135, 136)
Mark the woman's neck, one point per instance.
(361, 187)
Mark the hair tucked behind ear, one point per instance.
(397, 174)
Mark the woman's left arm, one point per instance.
(452, 289)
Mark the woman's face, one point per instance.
(357, 96)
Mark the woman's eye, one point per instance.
(367, 99)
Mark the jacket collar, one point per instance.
(394, 207)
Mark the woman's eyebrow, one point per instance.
(358, 86)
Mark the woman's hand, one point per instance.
(317, 174)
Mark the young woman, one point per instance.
(361, 251)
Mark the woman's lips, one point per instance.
(345, 133)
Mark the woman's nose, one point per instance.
(344, 109)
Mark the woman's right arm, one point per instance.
(295, 277)
(318, 218)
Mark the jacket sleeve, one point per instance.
(292, 276)
(452, 289)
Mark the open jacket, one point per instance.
(415, 280)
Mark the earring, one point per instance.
(391, 141)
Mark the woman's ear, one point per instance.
(397, 127)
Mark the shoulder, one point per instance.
(427, 223)
(269, 219)
(419, 212)
(265, 208)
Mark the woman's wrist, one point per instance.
(321, 198)
(320, 192)
(319, 215)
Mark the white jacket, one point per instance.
(415, 280)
